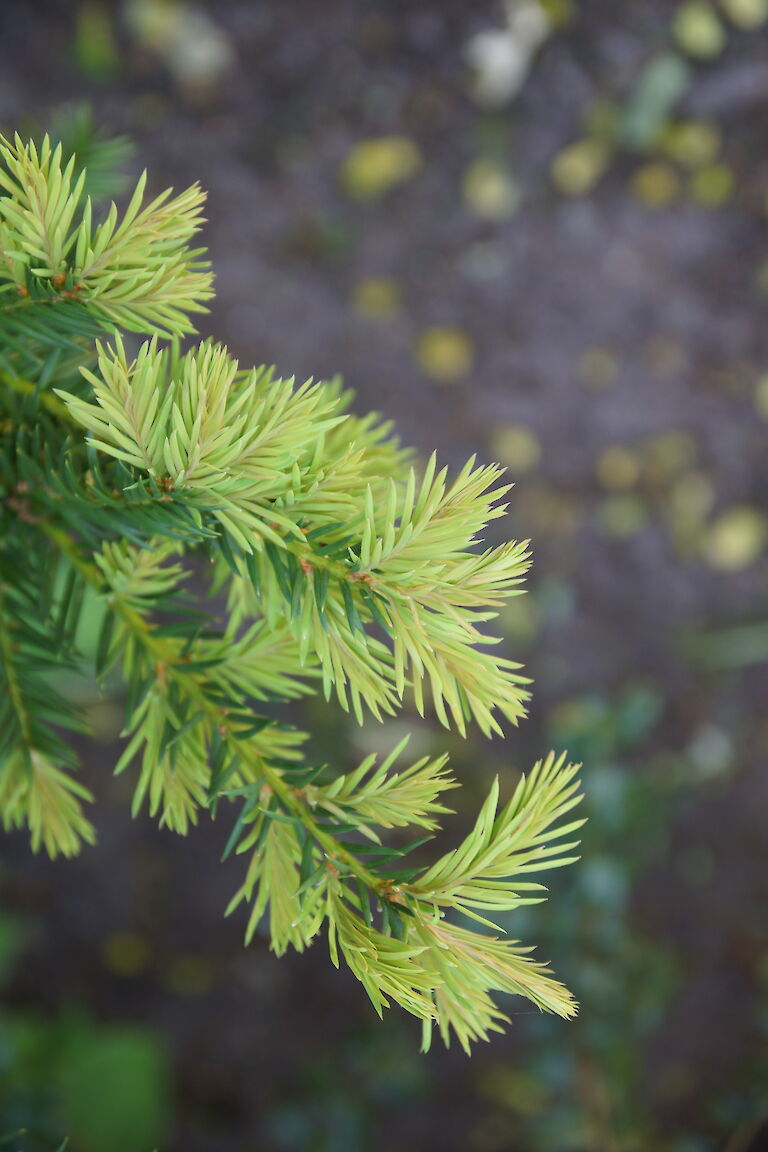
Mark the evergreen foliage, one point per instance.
(148, 484)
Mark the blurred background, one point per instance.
(534, 231)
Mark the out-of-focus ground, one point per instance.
(571, 277)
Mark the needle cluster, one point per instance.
(244, 539)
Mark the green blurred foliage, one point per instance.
(99, 1086)
(104, 1086)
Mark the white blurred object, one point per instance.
(195, 48)
(501, 58)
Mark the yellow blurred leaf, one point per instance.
(712, 185)
(125, 953)
(490, 191)
(698, 30)
(692, 497)
(655, 184)
(617, 467)
(622, 516)
(376, 298)
(559, 13)
(688, 503)
(598, 367)
(736, 539)
(373, 167)
(515, 446)
(444, 353)
(577, 169)
(154, 23)
(668, 453)
(692, 143)
(746, 13)
(188, 975)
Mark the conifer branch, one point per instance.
(334, 563)
(26, 388)
(34, 788)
